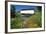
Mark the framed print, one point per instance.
(23, 16)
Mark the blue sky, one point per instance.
(20, 7)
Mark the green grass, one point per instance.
(17, 22)
(34, 21)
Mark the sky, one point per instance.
(20, 7)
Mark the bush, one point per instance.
(34, 21)
(17, 22)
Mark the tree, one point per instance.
(13, 11)
(39, 8)
(17, 22)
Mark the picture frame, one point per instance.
(7, 16)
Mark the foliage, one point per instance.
(13, 11)
(34, 21)
(39, 8)
(17, 22)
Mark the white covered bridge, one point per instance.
(27, 11)
(26, 14)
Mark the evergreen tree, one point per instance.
(12, 11)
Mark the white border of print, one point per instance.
(25, 29)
